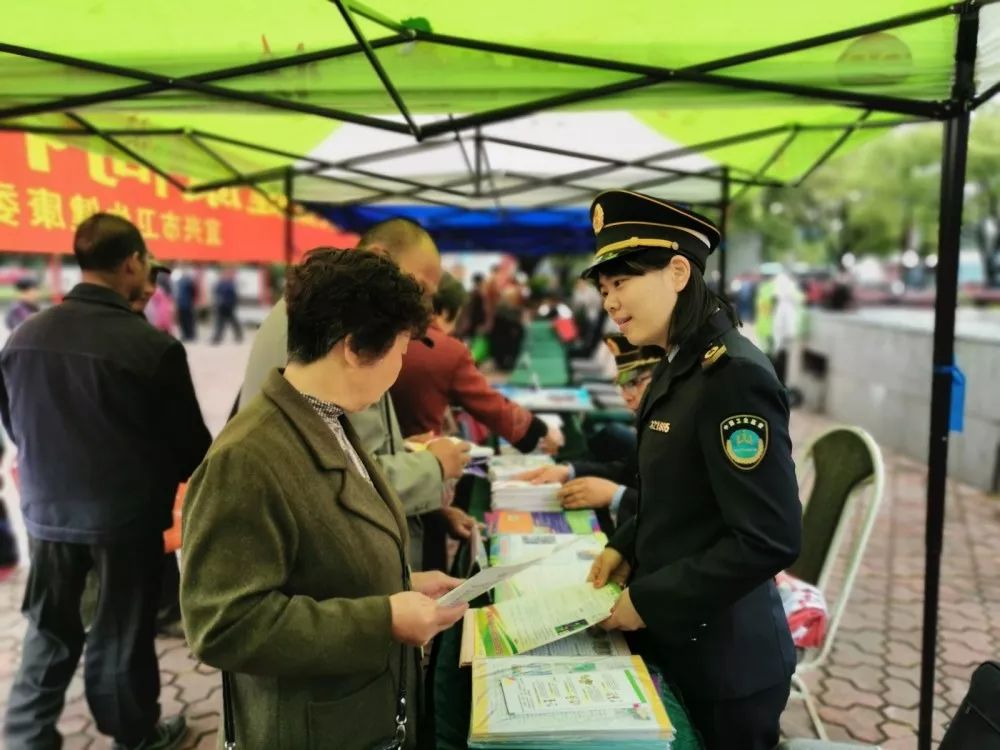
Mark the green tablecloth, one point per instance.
(450, 686)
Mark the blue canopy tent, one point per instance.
(521, 231)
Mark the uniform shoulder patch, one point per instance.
(714, 355)
(744, 440)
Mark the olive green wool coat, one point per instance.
(289, 560)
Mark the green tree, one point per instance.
(880, 198)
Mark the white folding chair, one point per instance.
(847, 488)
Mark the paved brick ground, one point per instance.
(868, 692)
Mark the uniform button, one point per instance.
(703, 625)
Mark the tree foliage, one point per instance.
(881, 198)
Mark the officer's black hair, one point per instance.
(695, 303)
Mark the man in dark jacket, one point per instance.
(103, 412)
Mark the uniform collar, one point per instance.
(683, 360)
(97, 294)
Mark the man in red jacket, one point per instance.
(437, 376)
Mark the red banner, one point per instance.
(48, 187)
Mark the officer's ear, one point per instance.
(679, 273)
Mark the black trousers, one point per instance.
(751, 723)
(225, 316)
(187, 322)
(121, 672)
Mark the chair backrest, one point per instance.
(844, 459)
(846, 462)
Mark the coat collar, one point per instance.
(329, 455)
(688, 357)
(97, 294)
(310, 425)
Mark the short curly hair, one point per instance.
(333, 294)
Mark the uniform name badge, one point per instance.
(744, 440)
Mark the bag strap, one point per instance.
(399, 740)
(228, 716)
(400, 737)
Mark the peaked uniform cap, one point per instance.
(625, 222)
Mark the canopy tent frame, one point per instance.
(953, 111)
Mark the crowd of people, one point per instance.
(315, 524)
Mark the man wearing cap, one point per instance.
(718, 513)
(104, 415)
(608, 486)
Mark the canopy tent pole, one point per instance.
(724, 201)
(289, 217)
(953, 162)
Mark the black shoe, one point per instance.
(168, 735)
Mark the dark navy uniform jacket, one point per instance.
(719, 515)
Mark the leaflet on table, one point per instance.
(549, 399)
(520, 522)
(514, 548)
(475, 451)
(518, 625)
(539, 579)
(486, 579)
(589, 701)
(478, 644)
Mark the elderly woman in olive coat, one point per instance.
(295, 574)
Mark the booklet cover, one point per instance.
(534, 702)
(590, 642)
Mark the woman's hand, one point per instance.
(433, 583)
(416, 618)
(609, 566)
(623, 615)
(553, 441)
(587, 492)
(558, 474)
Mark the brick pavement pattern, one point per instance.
(868, 691)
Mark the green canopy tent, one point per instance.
(762, 92)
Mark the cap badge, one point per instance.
(598, 219)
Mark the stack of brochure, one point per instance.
(579, 702)
(505, 467)
(512, 494)
(517, 522)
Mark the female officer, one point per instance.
(719, 513)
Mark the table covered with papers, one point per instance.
(524, 669)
